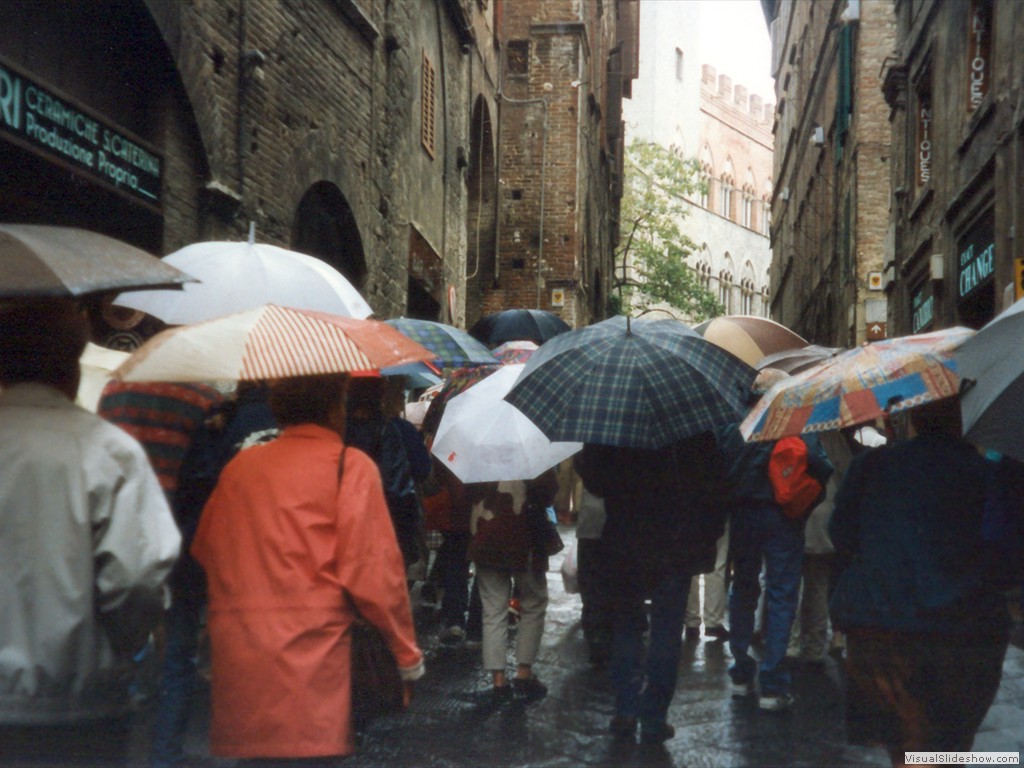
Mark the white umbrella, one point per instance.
(97, 364)
(483, 438)
(237, 276)
(991, 364)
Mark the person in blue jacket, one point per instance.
(926, 627)
(760, 532)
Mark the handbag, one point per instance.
(376, 684)
(545, 535)
(377, 687)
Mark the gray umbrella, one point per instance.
(991, 365)
(41, 260)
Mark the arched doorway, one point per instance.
(326, 228)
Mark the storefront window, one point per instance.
(976, 262)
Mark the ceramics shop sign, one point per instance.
(979, 40)
(976, 262)
(922, 305)
(41, 120)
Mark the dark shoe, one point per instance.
(453, 635)
(657, 734)
(428, 595)
(718, 633)
(692, 634)
(623, 728)
(529, 689)
(501, 693)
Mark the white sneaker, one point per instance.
(742, 690)
(780, 703)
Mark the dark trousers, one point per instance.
(90, 744)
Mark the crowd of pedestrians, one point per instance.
(271, 518)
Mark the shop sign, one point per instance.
(922, 304)
(978, 43)
(40, 119)
(924, 140)
(976, 263)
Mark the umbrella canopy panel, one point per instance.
(640, 384)
(536, 325)
(452, 347)
(482, 438)
(270, 342)
(40, 260)
(860, 385)
(992, 366)
(748, 337)
(236, 276)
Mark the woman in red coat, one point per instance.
(290, 555)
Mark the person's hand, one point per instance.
(407, 689)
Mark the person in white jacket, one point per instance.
(87, 544)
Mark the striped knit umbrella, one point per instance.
(270, 342)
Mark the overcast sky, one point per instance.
(734, 39)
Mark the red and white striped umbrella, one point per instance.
(270, 342)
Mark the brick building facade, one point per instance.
(364, 133)
(956, 95)
(830, 210)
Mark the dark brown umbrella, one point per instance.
(40, 260)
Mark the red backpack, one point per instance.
(795, 490)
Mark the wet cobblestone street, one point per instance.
(452, 723)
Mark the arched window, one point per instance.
(704, 274)
(728, 184)
(725, 290)
(749, 195)
(766, 215)
(706, 176)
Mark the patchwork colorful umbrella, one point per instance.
(452, 347)
(631, 383)
(748, 337)
(860, 385)
(514, 352)
(270, 342)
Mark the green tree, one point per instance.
(651, 268)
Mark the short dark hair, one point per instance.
(41, 341)
(307, 399)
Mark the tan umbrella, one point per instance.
(748, 337)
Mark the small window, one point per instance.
(679, 64)
(519, 57)
(427, 106)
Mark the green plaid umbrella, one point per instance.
(454, 347)
(631, 383)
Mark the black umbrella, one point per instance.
(536, 325)
(41, 260)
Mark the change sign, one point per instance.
(38, 119)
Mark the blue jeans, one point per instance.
(757, 533)
(645, 689)
(177, 684)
